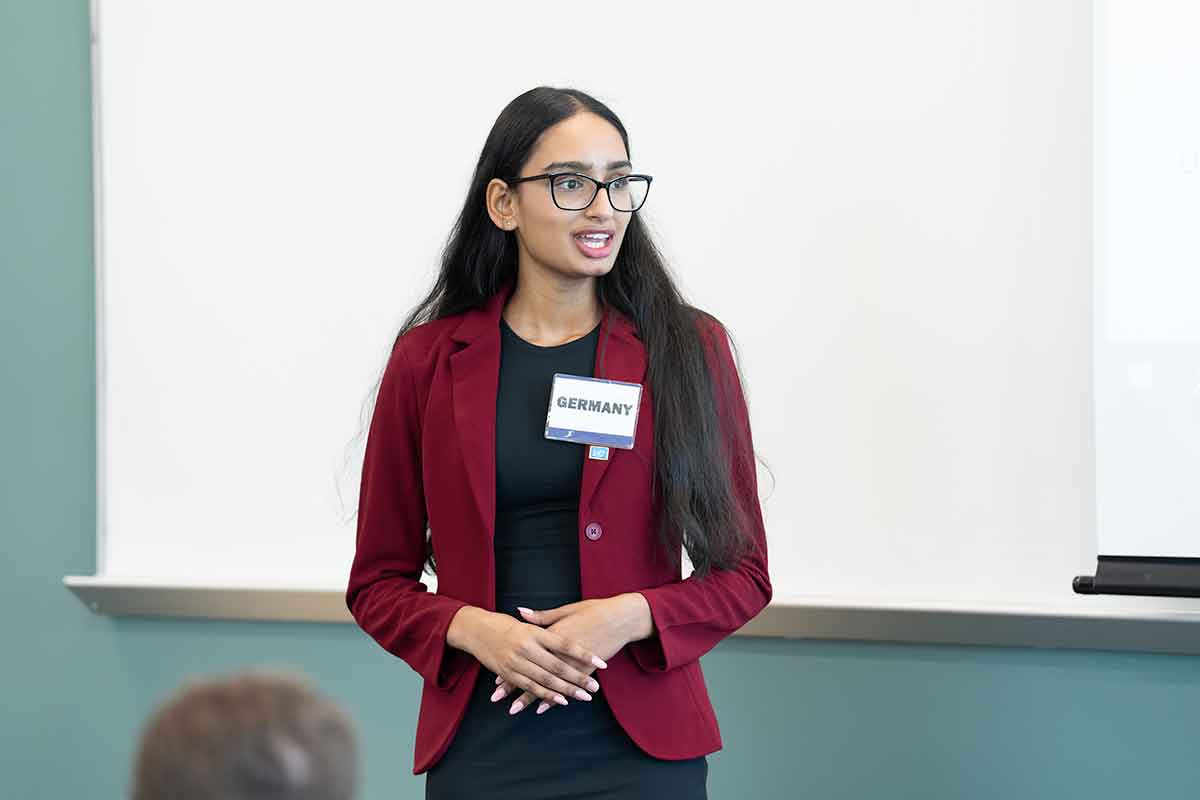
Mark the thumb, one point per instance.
(543, 617)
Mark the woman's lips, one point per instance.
(592, 251)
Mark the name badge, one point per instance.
(593, 411)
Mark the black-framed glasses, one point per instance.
(574, 191)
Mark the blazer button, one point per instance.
(594, 531)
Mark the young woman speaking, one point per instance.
(562, 424)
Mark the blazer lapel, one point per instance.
(475, 372)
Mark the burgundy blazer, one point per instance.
(431, 459)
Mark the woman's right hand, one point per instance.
(528, 657)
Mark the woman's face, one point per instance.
(548, 237)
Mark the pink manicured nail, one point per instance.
(582, 695)
(516, 706)
(496, 695)
(599, 663)
(523, 608)
(558, 698)
(542, 706)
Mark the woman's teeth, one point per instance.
(594, 242)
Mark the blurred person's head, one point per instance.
(255, 735)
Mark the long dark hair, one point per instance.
(701, 509)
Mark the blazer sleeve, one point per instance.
(384, 595)
(691, 616)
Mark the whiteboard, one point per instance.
(890, 206)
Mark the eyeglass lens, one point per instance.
(576, 192)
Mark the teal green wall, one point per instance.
(800, 719)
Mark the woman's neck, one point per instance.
(547, 315)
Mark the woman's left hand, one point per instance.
(600, 625)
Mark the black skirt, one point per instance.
(574, 751)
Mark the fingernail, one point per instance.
(496, 695)
(593, 685)
(542, 706)
(599, 663)
(516, 706)
(498, 679)
(524, 609)
(558, 698)
(582, 695)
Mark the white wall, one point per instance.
(889, 204)
(1147, 332)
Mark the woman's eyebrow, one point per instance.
(579, 165)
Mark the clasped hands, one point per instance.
(547, 666)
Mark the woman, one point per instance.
(558, 563)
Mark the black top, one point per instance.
(531, 469)
(576, 750)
